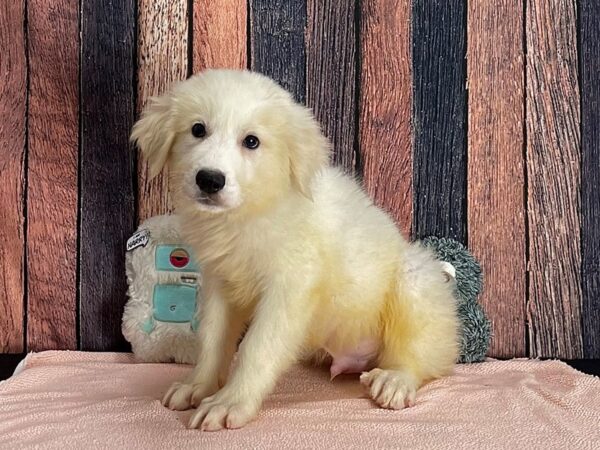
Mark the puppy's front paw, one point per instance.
(182, 396)
(223, 410)
(393, 389)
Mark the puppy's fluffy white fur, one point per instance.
(292, 249)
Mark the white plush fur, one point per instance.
(291, 248)
(167, 342)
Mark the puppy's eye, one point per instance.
(199, 130)
(251, 142)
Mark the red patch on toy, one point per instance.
(179, 258)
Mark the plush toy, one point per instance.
(476, 328)
(161, 316)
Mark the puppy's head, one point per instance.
(232, 140)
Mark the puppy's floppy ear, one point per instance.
(154, 134)
(309, 149)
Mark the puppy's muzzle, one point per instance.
(210, 181)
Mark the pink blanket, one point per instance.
(106, 400)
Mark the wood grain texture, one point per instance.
(496, 211)
(220, 34)
(162, 52)
(107, 168)
(53, 37)
(553, 170)
(13, 109)
(277, 30)
(439, 114)
(589, 38)
(331, 74)
(385, 107)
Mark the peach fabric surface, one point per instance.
(107, 400)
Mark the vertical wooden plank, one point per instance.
(220, 34)
(331, 74)
(13, 107)
(277, 42)
(107, 168)
(53, 37)
(590, 174)
(439, 114)
(162, 58)
(385, 106)
(496, 211)
(553, 170)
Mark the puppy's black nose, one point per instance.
(210, 181)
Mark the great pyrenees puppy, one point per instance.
(292, 251)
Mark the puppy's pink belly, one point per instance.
(356, 360)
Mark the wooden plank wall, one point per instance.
(107, 170)
(553, 173)
(52, 174)
(162, 59)
(589, 59)
(439, 114)
(463, 119)
(13, 116)
(220, 34)
(277, 44)
(331, 58)
(495, 169)
(385, 103)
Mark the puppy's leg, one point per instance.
(272, 343)
(419, 342)
(219, 330)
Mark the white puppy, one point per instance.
(290, 248)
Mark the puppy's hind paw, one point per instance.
(182, 396)
(391, 389)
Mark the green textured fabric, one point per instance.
(476, 328)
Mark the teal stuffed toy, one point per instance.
(161, 315)
(476, 329)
